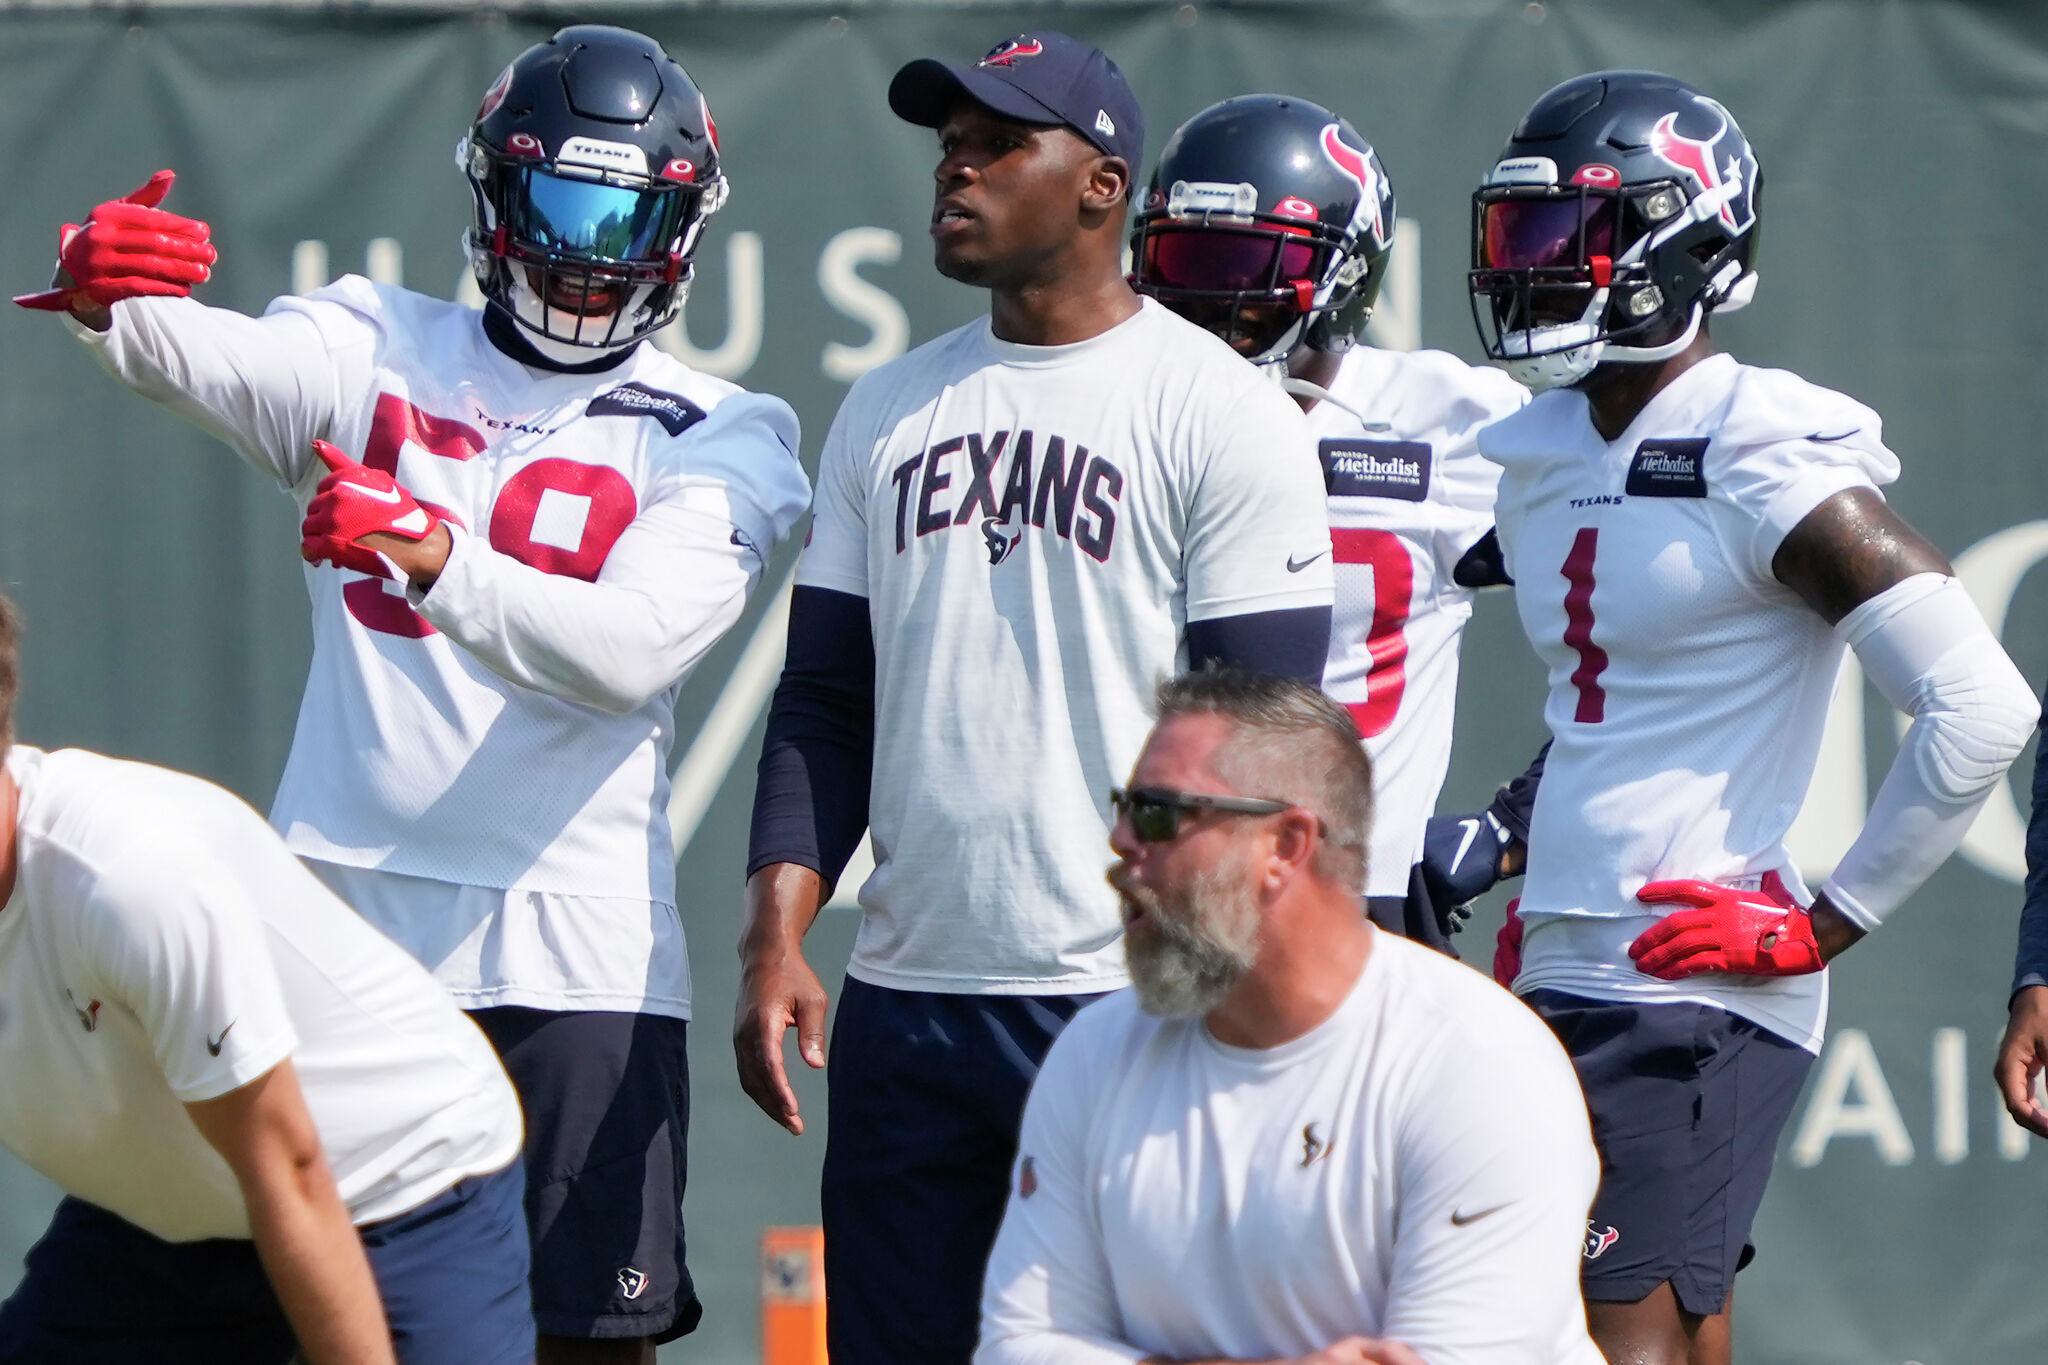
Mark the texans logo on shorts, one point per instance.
(632, 1283)
(1597, 1242)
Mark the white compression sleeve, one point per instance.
(1928, 649)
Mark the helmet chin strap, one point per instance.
(1646, 355)
(1302, 387)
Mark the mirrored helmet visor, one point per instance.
(615, 222)
(1538, 234)
(1224, 260)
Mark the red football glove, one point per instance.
(1750, 933)
(1507, 946)
(129, 247)
(355, 501)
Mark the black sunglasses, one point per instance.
(1155, 811)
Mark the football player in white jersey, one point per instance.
(529, 526)
(274, 1131)
(1285, 1143)
(1020, 527)
(1270, 221)
(1694, 542)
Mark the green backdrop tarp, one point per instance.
(1905, 155)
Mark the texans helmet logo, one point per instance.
(494, 96)
(1313, 1148)
(1012, 52)
(1357, 166)
(1736, 177)
(1597, 1241)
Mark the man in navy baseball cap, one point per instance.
(1043, 78)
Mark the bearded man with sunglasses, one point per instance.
(1694, 542)
(537, 523)
(1020, 526)
(1296, 1139)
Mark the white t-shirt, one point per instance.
(1033, 527)
(1405, 505)
(511, 728)
(1417, 1167)
(163, 947)
(1688, 687)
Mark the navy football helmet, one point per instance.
(1622, 211)
(1268, 221)
(593, 162)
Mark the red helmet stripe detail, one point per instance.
(1356, 165)
(1691, 155)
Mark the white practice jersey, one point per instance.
(1406, 504)
(1416, 1167)
(1033, 527)
(163, 947)
(1688, 687)
(511, 728)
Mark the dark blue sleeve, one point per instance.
(811, 801)
(1483, 566)
(2031, 966)
(1515, 803)
(1294, 643)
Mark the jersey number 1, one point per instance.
(1578, 627)
(1393, 585)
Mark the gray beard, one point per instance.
(1195, 943)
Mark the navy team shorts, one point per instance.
(101, 1291)
(925, 1097)
(607, 1101)
(1687, 1102)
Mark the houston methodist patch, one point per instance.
(675, 413)
(1672, 468)
(1375, 469)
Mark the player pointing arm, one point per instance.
(522, 527)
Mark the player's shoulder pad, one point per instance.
(353, 303)
(1529, 435)
(1768, 408)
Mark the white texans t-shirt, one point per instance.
(163, 947)
(1416, 1167)
(510, 730)
(1688, 687)
(1406, 503)
(1033, 528)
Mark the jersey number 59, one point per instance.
(606, 501)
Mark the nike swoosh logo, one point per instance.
(1465, 845)
(213, 1045)
(1297, 565)
(1460, 1219)
(390, 495)
(413, 523)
